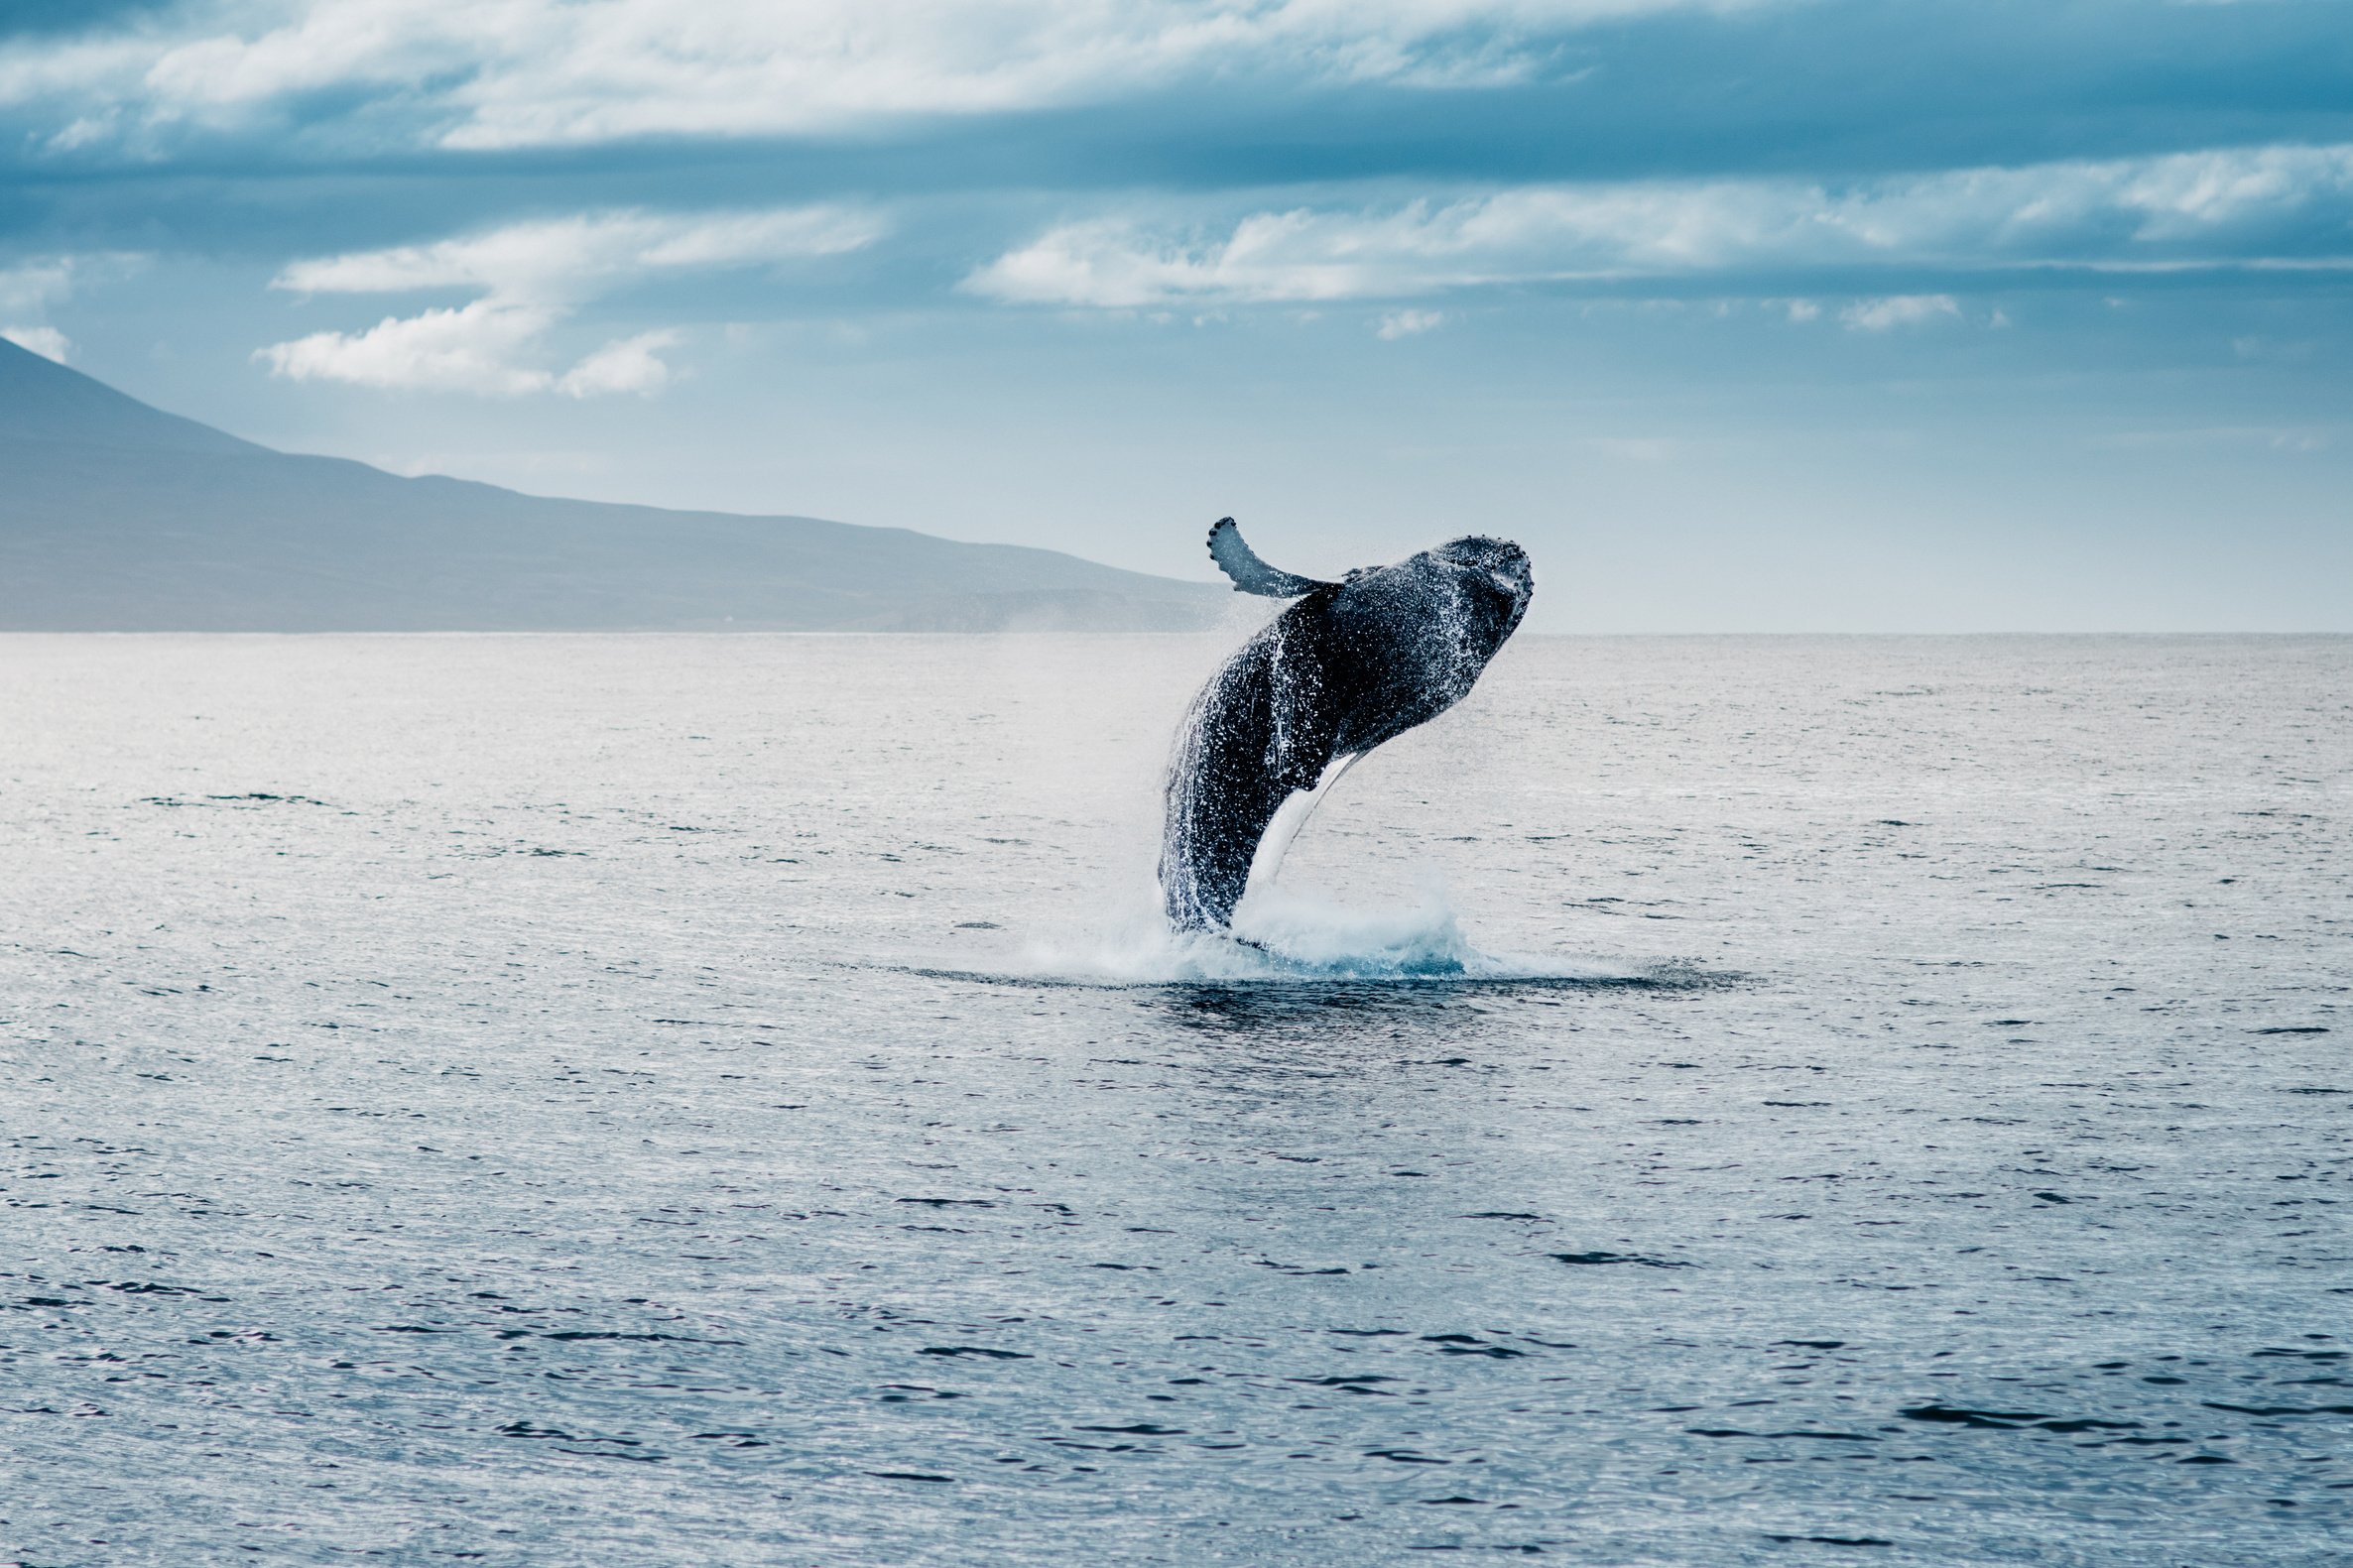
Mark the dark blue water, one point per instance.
(724, 1100)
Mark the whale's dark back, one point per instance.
(1348, 666)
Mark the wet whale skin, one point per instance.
(1346, 667)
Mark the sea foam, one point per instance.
(1284, 936)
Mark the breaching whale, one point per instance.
(1351, 665)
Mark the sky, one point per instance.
(1938, 315)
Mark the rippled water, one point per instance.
(725, 1100)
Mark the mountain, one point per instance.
(118, 517)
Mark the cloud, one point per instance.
(470, 349)
(1405, 323)
(572, 257)
(1898, 310)
(47, 341)
(629, 365)
(32, 287)
(532, 277)
(506, 73)
(2283, 206)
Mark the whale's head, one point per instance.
(1496, 582)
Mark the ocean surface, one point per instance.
(727, 1100)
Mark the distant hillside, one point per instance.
(118, 517)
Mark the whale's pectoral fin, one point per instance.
(1250, 574)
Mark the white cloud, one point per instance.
(1405, 323)
(473, 348)
(499, 73)
(2236, 206)
(531, 276)
(47, 341)
(1298, 254)
(32, 287)
(1898, 310)
(632, 364)
(566, 258)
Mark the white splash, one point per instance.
(1279, 935)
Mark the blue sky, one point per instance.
(1785, 315)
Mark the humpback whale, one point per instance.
(1351, 665)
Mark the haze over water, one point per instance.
(723, 1100)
